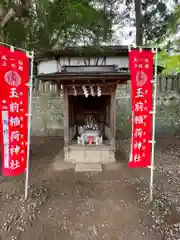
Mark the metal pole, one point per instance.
(153, 126)
(132, 119)
(131, 146)
(30, 85)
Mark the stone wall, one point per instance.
(47, 115)
(47, 119)
(167, 114)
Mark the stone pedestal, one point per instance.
(89, 154)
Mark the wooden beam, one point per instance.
(105, 89)
(104, 84)
(113, 117)
(66, 116)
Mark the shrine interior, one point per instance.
(90, 115)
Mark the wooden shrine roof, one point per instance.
(67, 78)
(85, 51)
(63, 77)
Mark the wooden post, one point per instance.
(113, 117)
(66, 116)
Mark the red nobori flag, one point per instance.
(14, 74)
(141, 70)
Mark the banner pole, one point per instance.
(153, 126)
(30, 85)
(132, 118)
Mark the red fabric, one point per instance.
(14, 72)
(141, 70)
(90, 140)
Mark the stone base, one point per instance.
(89, 154)
(88, 167)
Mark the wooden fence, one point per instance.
(164, 83)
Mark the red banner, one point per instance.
(14, 74)
(141, 70)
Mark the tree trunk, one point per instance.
(15, 10)
(8, 16)
(139, 30)
(11, 13)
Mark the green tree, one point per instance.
(151, 19)
(10, 10)
(173, 31)
(170, 63)
(48, 24)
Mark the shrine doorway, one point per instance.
(92, 107)
(89, 117)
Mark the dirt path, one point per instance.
(65, 205)
(83, 207)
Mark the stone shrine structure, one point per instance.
(95, 81)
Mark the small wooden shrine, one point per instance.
(89, 77)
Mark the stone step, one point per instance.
(88, 167)
(89, 157)
(61, 166)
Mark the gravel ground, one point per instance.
(112, 205)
